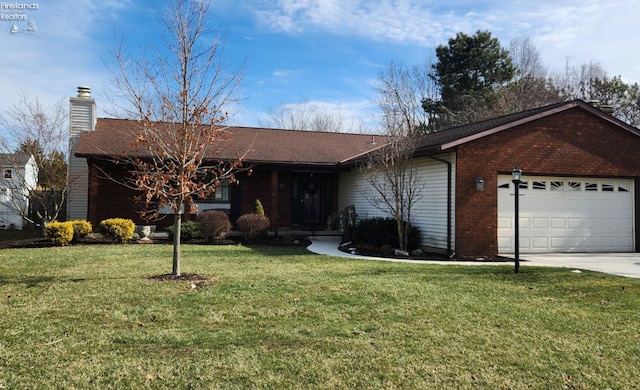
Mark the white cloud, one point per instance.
(62, 54)
(578, 29)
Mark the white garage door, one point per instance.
(567, 215)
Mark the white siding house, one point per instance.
(19, 176)
(430, 216)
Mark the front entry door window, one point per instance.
(308, 199)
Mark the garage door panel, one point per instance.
(540, 223)
(569, 215)
(557, 223)
(575, 223)
(505, 223)
(625, 224)
(540, 242)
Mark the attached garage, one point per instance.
(560, 214)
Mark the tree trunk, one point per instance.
(177, 222)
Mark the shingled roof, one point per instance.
(17, 159)
(115, 137)
(449, 138)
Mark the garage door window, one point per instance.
(591, 187)
(557, 186)
(574, 186)
(539, 185)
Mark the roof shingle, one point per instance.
(115, 137)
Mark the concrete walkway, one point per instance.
(621, 264)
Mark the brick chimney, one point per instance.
(82, 118)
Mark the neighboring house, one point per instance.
(580, 168)
(19, 177)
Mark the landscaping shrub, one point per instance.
(253, 226)
(383, 231)
(120, 230)
(188, 230)
(258, 208)
(81, 229)
(214, 224)
(60, 233)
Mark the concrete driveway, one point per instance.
(622, 264)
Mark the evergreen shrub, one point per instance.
(120, 230)
(60, 233)
(383, 231)
(188, 231)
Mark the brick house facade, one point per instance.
(569, 152)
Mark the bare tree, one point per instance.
(312, 116)
(40, 130)
(532, 85)
(394, 185)
(178, 93)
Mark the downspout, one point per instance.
(450, 252)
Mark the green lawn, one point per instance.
(283, 318)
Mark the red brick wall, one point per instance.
(570, 143)
(108, 198)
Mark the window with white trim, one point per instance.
(220, 195)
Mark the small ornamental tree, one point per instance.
(178, 94)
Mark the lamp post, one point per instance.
(516, 178)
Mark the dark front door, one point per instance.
(309, 203)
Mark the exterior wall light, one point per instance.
(479, 183)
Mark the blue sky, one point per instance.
(324, 51)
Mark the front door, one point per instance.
(309, 200)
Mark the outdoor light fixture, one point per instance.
(516, 178)
(479, 183)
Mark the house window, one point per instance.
(221, 194)
(7, 173)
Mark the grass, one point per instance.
(271, 317)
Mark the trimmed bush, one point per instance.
(214, 224)
(258, 208)
(120, 230)
(253, 226)
(60, 233)
(188, 230)
(383, 231)
(81, 229)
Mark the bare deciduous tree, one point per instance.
(312, 116)
(179, 94)
(39, 130)
(394, 185)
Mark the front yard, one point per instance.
(270, 317)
